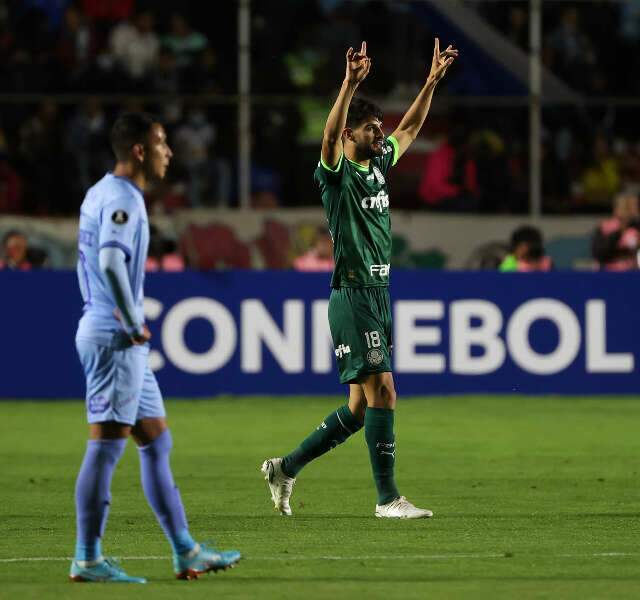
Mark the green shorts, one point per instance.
(360, 322)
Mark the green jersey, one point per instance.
(356, 201)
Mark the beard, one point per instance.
(372, 151)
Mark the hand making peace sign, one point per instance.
(358, 64)
(441, 60)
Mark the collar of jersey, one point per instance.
(358, 166)
(127, 180)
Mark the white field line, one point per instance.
(337, 558)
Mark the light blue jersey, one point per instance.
(113, 214)
(120, 384)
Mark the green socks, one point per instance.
(334, 430)
(378, 431)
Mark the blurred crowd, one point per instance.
(583, 42)
(109, 46)
(591, 152)
(613, 245)
(76, 56)
(72, 65)
(200, 247)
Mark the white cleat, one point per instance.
(401, 508)
(280, 485)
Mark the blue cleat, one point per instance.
(106, 571)
(202, 560)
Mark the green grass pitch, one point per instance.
(533, 498)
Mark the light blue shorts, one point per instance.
(120, 385)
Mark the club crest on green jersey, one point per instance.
(375, 357)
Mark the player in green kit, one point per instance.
(351, 175)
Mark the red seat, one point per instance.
(213, 246)
(275, 245)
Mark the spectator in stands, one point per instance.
(488, 256)
(572, 52)
(629, 21)
(163, 255)
(320, 256)
(202, 75)
(87, 145)
(135, 46)
(628, 153)
(616, 240)
(449, 180)
(193, 142)
(75, 44)
(39, 134)
(30, 61)
(184, 41)
(556, 179)
(165, 197)
(526, 252)
(494, 175)
(628, 44)
(6, 37)
(600, 181)
(166, 77)
(518, 26)
(15, 252)
(10, 182)
(39, 139)
(108, 10)
(266, 186)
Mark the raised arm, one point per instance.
(358, 66)
(414, 118)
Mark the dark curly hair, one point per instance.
(530, 236)
(360, 110)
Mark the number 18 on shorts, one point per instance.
(360, 322)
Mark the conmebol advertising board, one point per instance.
(267, 333)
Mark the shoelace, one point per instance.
(402, 501)
(113, 563)
(287, 485)
(209, 546)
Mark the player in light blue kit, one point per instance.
(123, 397)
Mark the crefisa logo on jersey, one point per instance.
(379, 201)
(341, 350)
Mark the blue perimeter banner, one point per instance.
(241, 332)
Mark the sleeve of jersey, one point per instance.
(391, 153)
(112, 264)
(118, 224)
(325, 174)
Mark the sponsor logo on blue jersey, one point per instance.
(98, 404)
